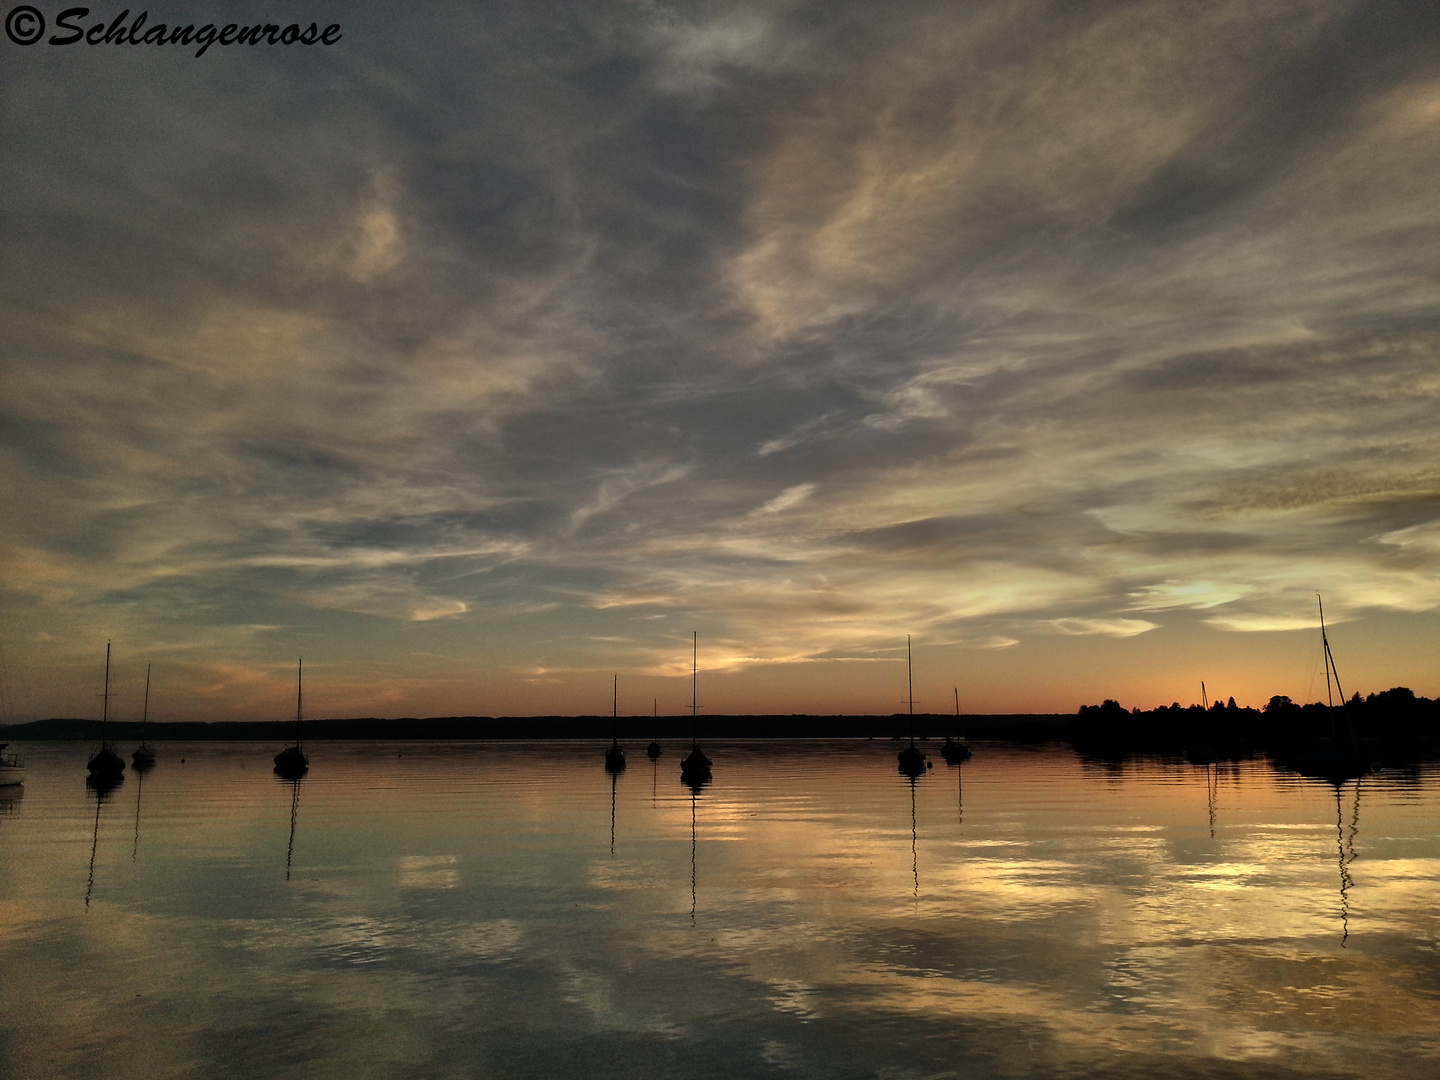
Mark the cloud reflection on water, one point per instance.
(1072, 923)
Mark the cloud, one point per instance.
(791, 496)
(1109, 627)
(995, 324)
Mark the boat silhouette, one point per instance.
(614, 755)
(955, 751)
(144, 755)
(912, 759)
(106, 767)
(292, 762)
(654, 750)
(695, 769)
(1337, 756)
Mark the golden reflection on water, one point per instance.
(809, 912)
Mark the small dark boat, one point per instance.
(291, 762)
(696, 762)
(106, 765)
(954, 751)
(912, 759)
(1338, 757)
(614, 754)
(695, 769)
(654, 750)
(144, 756)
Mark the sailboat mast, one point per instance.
(694, 682)
(1330, 667)
(910, 684)
(299, 696)
(145, 712)
(105, 703)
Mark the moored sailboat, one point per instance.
(954, 751)
(654, 750)
(695, 769)
(1336, 757)
(912, 758)
(144, 756)
(614, 754)
(292, 762)
(105, 766)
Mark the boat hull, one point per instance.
(12, 768)
(106, 763)
(292, 762)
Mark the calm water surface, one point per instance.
(479, 910)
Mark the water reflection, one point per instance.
(101, 786)
(694, 795)
(140, 771)
(959, 790)
(293, 782)
(1212, 793)
(103, 783)
(914, 840)
(1070, 928)
(614, 776)
(1345, 844)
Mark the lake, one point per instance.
(505, 910)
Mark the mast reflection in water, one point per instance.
(293, 783)
(465, 914)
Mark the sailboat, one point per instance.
(144, 756)
(912, 758)
(614, 755)
(106, 767)
(954, 751)
(695, 769)
(292, 762)
(654, 750)
(1331, 757)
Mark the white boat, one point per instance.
(12, 768)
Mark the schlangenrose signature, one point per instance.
(25, 25)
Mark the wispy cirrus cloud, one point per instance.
(1010, 328)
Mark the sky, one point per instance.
(494, 350)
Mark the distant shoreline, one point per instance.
(1023, 727)
(1393, 728)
